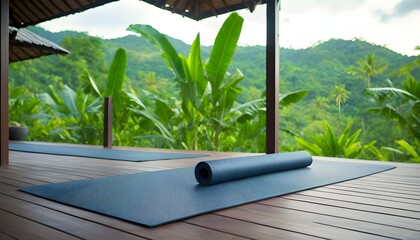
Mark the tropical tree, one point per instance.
(367, 68)
(340, 95)
(405, 111)
(401, 105)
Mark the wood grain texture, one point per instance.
(381, 206)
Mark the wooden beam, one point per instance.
(272, 77)
(4, 89)
(108, 122)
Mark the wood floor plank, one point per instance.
(368, 201)
(336, 211)
(380, 206)
(376, 192)
(415, 203)
(4, 236)
(245, 228)
(292, 221)
(21, 228)
(354, 205)
(377, 188)
(65, 223)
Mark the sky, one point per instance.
(303, 23)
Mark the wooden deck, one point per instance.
(381, 206)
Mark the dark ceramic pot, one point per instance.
(18, 133)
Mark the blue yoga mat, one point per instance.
(155, 198)
(102, 153)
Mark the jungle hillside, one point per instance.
(343, 98)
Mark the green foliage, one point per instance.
(403, 152)
(116, 74)
(206, 109)
(340, 95)
(406, 111)
(327, 144)
(75, 115)
(23, 104)
(292, 97)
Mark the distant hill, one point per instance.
(249, 59)
(322, 65)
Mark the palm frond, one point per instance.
(385, 92)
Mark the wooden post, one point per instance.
(272, 77)
(108, 122)
(4, 90)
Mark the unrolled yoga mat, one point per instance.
(155, 198)
(113, 154)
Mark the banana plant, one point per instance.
(75, 114)
(114, 83)
(208, 92)
(157, 120)
(327, 144)
(250, 122)
(405, 151)
(112, 87)
(209, 115)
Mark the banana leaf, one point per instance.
(116, 74)
(223, 49)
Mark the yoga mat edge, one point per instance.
(101, 153)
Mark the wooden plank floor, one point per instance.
(381, 206)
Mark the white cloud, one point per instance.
(302, 23)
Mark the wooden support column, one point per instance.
(272, 77)
(108, 122)
(4, 89)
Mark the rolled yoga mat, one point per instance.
(219, 171)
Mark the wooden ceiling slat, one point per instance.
(36, 9)
(196, 9)
(226, 5)
(24, 13)
(45, 8)
(186, 7)
(175, 5)
(16, 15)
(71, 5)
(59, 6)
(27, 13)
(79, 3)
(24, 53)
(211, 7)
